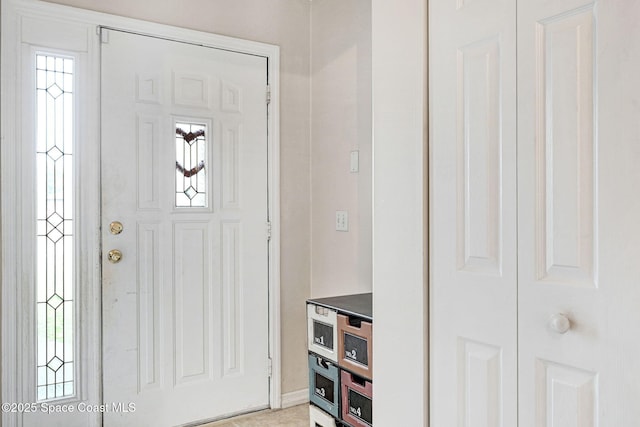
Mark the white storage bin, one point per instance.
(322, 335)
(317, 417)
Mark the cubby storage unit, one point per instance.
(340, 331)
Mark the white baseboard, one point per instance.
(294, 398)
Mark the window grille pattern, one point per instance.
(191, 173)
(54, 227)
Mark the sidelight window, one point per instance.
(54, 227)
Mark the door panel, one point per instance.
(578, 231)
(184, 149)
(579, 234)
(472, 213)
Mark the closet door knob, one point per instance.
(559, 323)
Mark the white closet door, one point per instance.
(579, 212)
(472, 105)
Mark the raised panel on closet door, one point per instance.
(578, 244)
(473, 213)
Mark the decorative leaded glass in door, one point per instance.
(191, 171)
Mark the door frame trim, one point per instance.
(13, 387)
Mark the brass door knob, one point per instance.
(114, 256)
(116, 227)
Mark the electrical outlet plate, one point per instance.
(342, 221)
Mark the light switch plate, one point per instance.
(354, 162)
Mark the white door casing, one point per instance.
(34, 25)
(473, 295)
(578, 234)
(185, 311)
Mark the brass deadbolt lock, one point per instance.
(116, 227)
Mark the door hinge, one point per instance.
(269, 367)
(268, 231)
(268, 94)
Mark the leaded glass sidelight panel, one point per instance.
(55, 224)
(191, 168)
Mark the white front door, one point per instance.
(561, 289)
(184, 169)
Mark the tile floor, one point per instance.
(297, 416)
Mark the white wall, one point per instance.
(284, 23)
(399, 212)
(340, 123)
